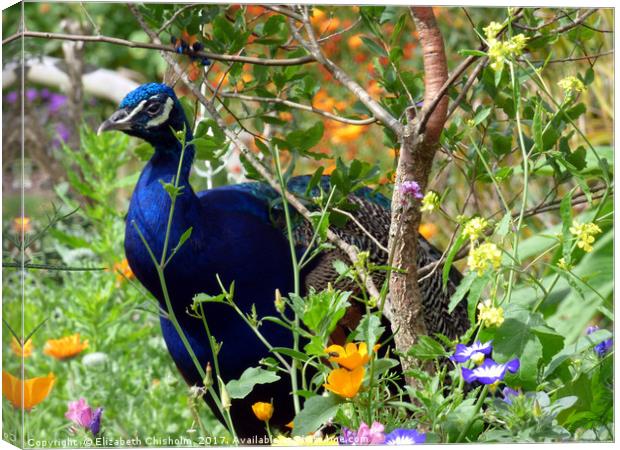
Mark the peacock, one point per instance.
(238, 233)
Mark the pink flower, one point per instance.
(370, 435)
(83, 415)
(411, 188)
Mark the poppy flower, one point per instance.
(21, 350)
(35, 390)
(345, 383)
(351, 356)
(263, 411)
(22, 223)
(65, 347)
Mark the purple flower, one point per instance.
(509, 392)
(11, 97)
(56, 102)
(464, 353)
(405, 437)
(365, 435)
(44, 93)
(63, 131)
(411, 188)
(83, 415)
(31, 95)
(603, 347)
(489, 371)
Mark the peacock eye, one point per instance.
(153, 109)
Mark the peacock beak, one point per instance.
(120, 120)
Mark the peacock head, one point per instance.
(151, 112)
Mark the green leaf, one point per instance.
(369, 330)
(467, 52)
(316, 412)
(460, 240)
(461, 290)
(184, 237)
(374, 47)
(290, 352)
(537, 127)
(251, 377)
(427, 349)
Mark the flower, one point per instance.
(21, 350)
(509, 392)
(430, 202)
(365, 435)
(263, 411)
(562, 264)
(428, 230)
(22, 223)
(411, 188)
(475, 227)
(464, 353)
(300, 441)
(483, 257)
(401, 436)
(35, 390)
(11, 97)
(369, 435)
(123, 270)
(355, 41)
(499, 51)
(603, 347)
(94, 359)
(585, 234)
(345, 383)
(489, 371)
(65, 347)
(490, 315)
(83, 415)
(491, 30)
(571, 85)
(351, 356)
(31, 94)
(56, 101)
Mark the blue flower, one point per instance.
(464, 353)
(509, 392)
(602, 348)
(95, 424)
(490, 372)
(405, 437)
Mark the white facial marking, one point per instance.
(155, 121)
(135, 111)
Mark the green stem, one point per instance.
(477, 407)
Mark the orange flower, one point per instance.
(65, 347)
(323, 101)
(123, 270)
(351, 356)
(345, 383)
(193, 71)
(35, 389)
(428, 230)
(19, 350)
(263, 411)
(347, 133)
(22, 222)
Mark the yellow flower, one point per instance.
(263, 411)
(483, 257)
(563, 265)
(490, 315)
(19, 350)
(585, 234)
(475, 227)
(345, 383)
(301, 441)
(22, 223)
(492, 29)
(571, 85)
(428, 230)
(65, 347)
(351, 356)
(35, 390)
(430, 201)
(500, 51)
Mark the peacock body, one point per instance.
(238, 234)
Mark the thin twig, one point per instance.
(300, 106)
(165, 48)
(361, 227)
(177, 13)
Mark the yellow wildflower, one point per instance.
(562, 264)
(345, 383)
(430, 202)
(585, 234)
(483, 257)
(21, 350)
(500, 51)
(263, 411)
(492, 29)
(350, 356)
(571, 85)
(475, 227)
(490, 315)
(65, 347)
